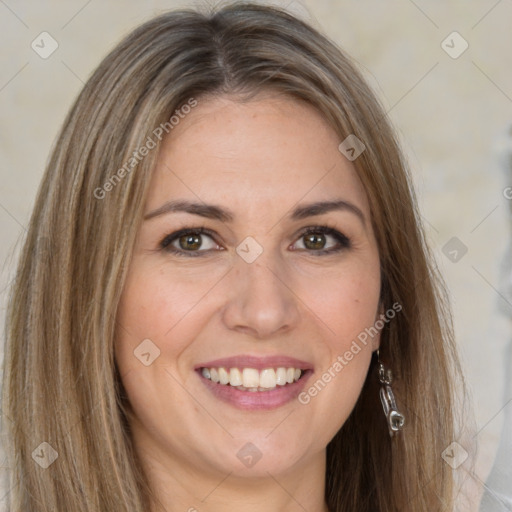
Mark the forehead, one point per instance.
(262, 155)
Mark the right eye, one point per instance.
(189, 242)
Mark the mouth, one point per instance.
(251, 383)
(252, 379)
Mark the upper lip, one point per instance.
(257, 362)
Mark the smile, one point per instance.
(252, 379)
(251, 382)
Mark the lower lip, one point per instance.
(257, 400)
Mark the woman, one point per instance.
(225, 299)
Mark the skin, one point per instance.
(259, 159)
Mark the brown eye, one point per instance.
(323, 240)
(190, 242)
(314, 241)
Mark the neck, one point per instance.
(228, 493)
(179, 486)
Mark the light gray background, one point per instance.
(451, 113)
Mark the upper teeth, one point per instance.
(252, 378)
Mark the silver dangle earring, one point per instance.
(394, 418)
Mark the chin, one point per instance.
(258, 458)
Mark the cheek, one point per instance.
(161, 312)
(154, 305)
(147, 311)
(153, 319)
(347, 303)
(334, 389)
(348, 308)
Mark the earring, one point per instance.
(394, 418)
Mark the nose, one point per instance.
(261, 301)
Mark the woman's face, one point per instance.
(280, 280)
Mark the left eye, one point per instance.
(315, 241)
(323, 240)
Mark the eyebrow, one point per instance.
(210, 211)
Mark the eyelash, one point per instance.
(165, 245)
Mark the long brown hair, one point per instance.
(61, 383)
